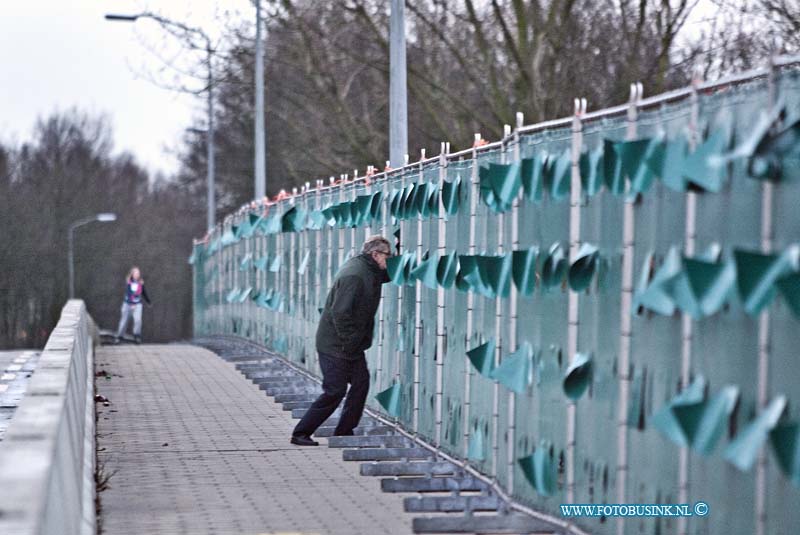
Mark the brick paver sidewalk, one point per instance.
(193, 447)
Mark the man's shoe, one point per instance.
(116, 340)
(137, 339)
(303, 441)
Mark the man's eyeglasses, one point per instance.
(384, 253)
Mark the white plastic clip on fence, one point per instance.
(697, 76)
(506, 131)
(520, 119)
(580, 107)
(421, 155)
(406, 159)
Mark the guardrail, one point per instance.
(47, 458)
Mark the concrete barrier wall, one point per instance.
(47, 457)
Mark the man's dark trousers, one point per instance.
(336, 374)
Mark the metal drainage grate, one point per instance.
(385, 452)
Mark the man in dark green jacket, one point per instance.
(344, 333)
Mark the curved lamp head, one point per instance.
(122, 18)
(106, 217)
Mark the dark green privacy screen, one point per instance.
(603, 309)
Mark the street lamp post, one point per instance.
(260, 141)
(210, 165)
(103, 218)
(209, 50)
(398, 101)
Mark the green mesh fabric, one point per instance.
(516, 197)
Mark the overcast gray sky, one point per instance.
(56, 54)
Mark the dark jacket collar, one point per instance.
(373, 265)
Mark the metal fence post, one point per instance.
(573, 299)
(623, 369)
(226, 275)
(418, 306)
(281, 277)
(498, 324)
(306, 296)
(248, 274)
(352, 193)
(317, 254)
(767, 235)
(381, 308)
(399, 326)
(354, 188)
(220, 282)
(687, 326)
(222, 277)
(441, 328)
(289, 311)
(340, 233)
(513, 335)
(473, 213)
(259, 275)
(368, 228)
(329, 244)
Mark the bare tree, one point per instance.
(743, 34)
(472, 66)
(67, 172)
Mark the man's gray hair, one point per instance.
(376, 243)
